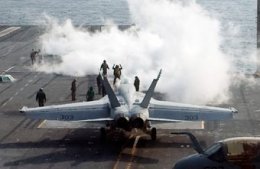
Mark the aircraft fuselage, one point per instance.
(129, 114)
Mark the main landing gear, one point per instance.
(103, 134)
(153, 134)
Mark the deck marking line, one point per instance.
(4, 104)
(121, 152)
(41, 124)
(11, 98)
(8, 30)
(133, 152)
(8, 69)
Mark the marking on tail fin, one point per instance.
(111, 95)
(150, 92)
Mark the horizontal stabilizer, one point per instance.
(97, 120)
(185, 112)
(22, 110)
(84, 111)
(164, 120)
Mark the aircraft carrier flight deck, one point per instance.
(26, 143)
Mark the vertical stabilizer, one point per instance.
(195, 143)
(150, 92)
(111, 94)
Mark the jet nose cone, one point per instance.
(183, 164)
(190, 162)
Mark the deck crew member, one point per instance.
(33, 56)
(73, 90)
(104, 68)
(90, 94)
(41, 97)
(137, 83)
(117, 72)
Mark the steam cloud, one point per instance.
(181, 38)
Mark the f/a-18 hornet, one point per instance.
(127, 109)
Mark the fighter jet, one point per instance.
(231, 153)
(127, 109)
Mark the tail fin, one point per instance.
(195, 143)
(150, 92)
(111, 95)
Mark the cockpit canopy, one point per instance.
(235, 150)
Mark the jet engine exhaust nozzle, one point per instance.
(137, 122)
(122, 122)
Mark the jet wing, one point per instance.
(93, 111)
(163, 111)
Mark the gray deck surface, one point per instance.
(23, 145)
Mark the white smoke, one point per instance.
(181, 39)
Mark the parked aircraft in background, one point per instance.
(127, 109)
(232, 153)
(4, 78)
